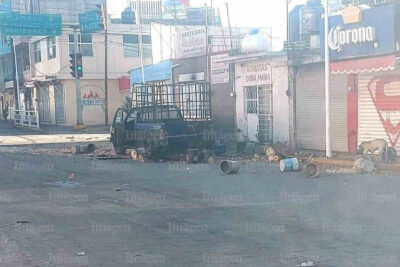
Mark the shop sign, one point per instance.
(15, 24)
(219, 71)
(92, 96)
(256, 74)
(191, 43)
(358, 32)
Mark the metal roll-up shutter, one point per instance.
(310, 109)
(379, 108)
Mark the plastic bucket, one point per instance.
(229, 167)
(311, 170)
(287, 165)
(364, 164)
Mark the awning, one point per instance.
(373, 64)
(157, 72)
(124, 83)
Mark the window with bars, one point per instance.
(252, 100)
(51, 47)
(37, 52)
(85, 44)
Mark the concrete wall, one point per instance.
(280, 99)
(92, 115)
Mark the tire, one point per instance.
(119, 150)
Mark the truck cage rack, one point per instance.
(193, 99)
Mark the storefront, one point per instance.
(364, 90)
(56, 101)
(262, 106)
(362, 45)
(310, 109)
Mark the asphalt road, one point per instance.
(86, 212)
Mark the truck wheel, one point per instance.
(119, 150)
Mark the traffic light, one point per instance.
(76, 65)
(79, 63)
(103, 16)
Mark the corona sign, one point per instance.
(360, 33)
(351, 14)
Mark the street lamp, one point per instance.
(327, 90)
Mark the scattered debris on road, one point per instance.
(85, 149)
(81, 253)
(229, 167)
(364, 165)
(311, 170)
(291, 164)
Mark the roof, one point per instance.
(252, 57)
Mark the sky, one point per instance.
(243, 13)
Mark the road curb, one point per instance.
(350, 163)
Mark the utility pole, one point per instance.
(18, 96)
(141, 54)
(287, 21)
(327, 89)
(229, 25)
(106, 63)
(207, 48)
(79, 117)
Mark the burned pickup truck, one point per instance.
(164, 120)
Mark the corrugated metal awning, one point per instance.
(373, 64)
(156, 72)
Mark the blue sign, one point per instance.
(360, 33)
(5, 6)
(15, 24)
(91, 21)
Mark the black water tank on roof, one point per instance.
(310, 16)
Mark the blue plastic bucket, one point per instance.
(288, 165)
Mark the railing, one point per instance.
(26, 118)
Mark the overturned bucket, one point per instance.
(84, 149)
(364, 164)
(229, 167)
(311, 170)
(288, 165)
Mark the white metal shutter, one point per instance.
(370, 126)
(310, 109)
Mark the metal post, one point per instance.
(105, 63)
(141, 54)
(18, 97)
(229, 25)
(327, 90)
(287, 21)
(208, 49)
(79, 117)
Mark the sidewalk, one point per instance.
(13, 136)
(8, 129)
